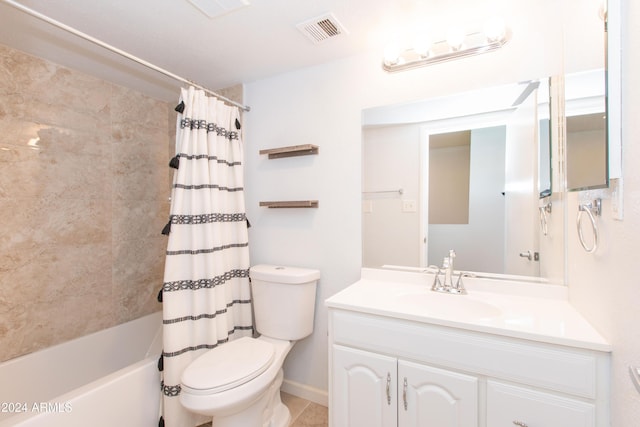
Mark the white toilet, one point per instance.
(238, 383)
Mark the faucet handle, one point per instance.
(459, 288)
(437, 284)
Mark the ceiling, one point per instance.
(249, 44)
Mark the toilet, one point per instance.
(238, 383)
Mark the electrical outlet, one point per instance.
(409, 206)
(617, 211)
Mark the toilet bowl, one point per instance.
(243, 390)
(238, 383)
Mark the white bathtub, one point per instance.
(109, 378)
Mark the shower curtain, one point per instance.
(205, 294)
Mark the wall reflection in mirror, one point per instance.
(586, 131)
(473, 177)
(459, 190)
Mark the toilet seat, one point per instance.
(228, 366)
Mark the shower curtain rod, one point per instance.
(120, 52)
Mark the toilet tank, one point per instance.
(284, 300)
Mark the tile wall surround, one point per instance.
(84, 190)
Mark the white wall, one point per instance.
(605, 286)
(449, 171)
(323, 105)
(486, 210)
(587, 152)
(390, 235)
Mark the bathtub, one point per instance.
(109, 378)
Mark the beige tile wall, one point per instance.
(84, 188)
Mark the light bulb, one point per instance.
(422, 44)
(391, 54)
(494, 29)
(455, 37)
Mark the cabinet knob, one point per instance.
(520, 424)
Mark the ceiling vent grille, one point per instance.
(321, 28)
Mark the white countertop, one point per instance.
(531, 311)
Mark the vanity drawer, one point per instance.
(510, 406)
(548, 366)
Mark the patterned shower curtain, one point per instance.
(205, 294)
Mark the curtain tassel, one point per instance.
(248, 223)
(159, 297)
(180, 107)
(167, 229)
(238, 124)
(161, 422)
(161, 363)
(175, 162)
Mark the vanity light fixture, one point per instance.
(457, 44)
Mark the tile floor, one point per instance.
(303, 412)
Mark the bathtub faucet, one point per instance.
(448, 286)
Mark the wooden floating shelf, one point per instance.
(291, 204)
(294, 150)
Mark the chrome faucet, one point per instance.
(448, 265)
(448, 286)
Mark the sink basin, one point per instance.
(446, 305)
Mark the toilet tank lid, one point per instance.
(283, 274)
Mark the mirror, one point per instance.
(452, 182)
(430, 186)
(586, 131)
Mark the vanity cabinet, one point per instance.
(451, 377)
(380, 391)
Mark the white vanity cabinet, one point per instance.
(376, 390)
(457, 378)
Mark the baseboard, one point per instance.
(315, 395)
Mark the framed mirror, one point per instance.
(457, 181)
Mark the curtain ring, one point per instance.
(590, 209)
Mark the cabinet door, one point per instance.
(509, 406)
(364, 389)
(432, 397)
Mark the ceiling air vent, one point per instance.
(321, 28)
